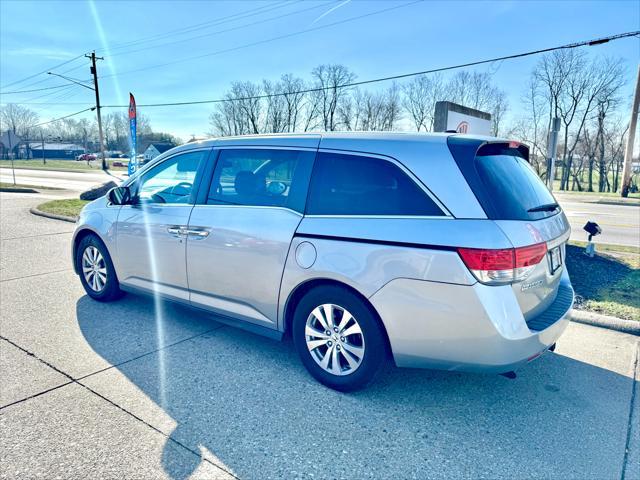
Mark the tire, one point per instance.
(105, 290)
(319, 351)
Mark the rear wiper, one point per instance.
(544, 208)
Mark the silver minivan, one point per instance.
(443, 250)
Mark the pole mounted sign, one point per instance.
(10, 140)
(133, 161)
(458, 118)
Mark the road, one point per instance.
(134, 389)
(74, 181)
(620, 223)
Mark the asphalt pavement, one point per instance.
(620, 223)
(138, 389)
(73, 181)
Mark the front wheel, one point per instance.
(97, 274)
(338, 338)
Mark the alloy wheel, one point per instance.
(334, 339)
(94, 268)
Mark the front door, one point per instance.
(250, 214)
(151, 239)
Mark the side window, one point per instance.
(172, 180)
(257, 177)
(355, 185)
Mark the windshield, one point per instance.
(515, 190)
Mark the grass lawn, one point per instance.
(62, 165)
(609, 282)
(69, 207)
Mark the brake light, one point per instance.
(503, 266)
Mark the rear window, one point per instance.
(357, 185)
(503, 181)
(515, 188)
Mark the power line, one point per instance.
(46, 79)
(33, 90)
(52, 94)
(199, 26)
(218, 32)
(62, 118)
(268, 40)
(44, 71)
(583, 43)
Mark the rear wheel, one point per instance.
(338, 338)
(97, 274)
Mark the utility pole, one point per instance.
(628, 154)
(94, 72)
(44, 160)
(552, 147)
(13, 170)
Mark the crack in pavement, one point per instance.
(38, 235)
(77, 381)
(634, 387)
(36, 275)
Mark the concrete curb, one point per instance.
(605, 321)
(610, 202)
(40, 213)
(18, 190)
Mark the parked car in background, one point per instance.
(446, 251)
(86, 157)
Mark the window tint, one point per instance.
(514, 187)
(269, 177)
(172, 180)
(356, 185)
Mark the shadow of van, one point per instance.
(248, 402)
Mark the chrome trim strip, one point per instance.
(268, 207)
(263, 147)
(387, 217)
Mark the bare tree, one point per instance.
(369, 111)
(574, 88)
(241, 113)
(498, 110)
(276, 108)
(476, 90)
(17, 119)
(419, 100)
(331, 81)
(293, 98)
(531, 128)
(227, 118)
(615, 135)
(244, 94)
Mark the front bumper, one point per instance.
(464, 327)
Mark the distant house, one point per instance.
(53, 150)
(155, 149)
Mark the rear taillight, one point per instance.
(502, 266)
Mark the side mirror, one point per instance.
(119, 195)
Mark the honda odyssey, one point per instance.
(443, 250)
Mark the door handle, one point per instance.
(176, 231)
(197, 233)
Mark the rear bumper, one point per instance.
(471, 328)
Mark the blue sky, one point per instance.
(36, 36)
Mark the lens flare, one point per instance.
(158, 307)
